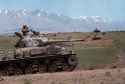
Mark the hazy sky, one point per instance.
(111, 9)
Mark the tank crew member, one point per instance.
(25, 30)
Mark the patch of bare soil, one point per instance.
(101, 42)
(120, 61)
(103, 76)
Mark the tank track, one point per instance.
(38, 64)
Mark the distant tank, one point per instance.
(37, 54)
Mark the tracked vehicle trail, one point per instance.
(102, 76)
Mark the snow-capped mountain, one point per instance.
(11, 21)
(92, 18)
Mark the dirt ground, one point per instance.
(102, 76)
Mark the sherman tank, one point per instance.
(34, 53)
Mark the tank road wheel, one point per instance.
(18, 71)
(56, 66)
(52, 67)
(3, 73)
(9, 71)
(13, 71)
(42, 68)
(72, 60)
(32, 68)
(28, 70)
(35, 68)
(72, 63)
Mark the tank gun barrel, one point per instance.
(63, 41)
(70, 40)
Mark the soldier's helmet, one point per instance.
(25, 29)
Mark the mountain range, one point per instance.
(12, 20)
